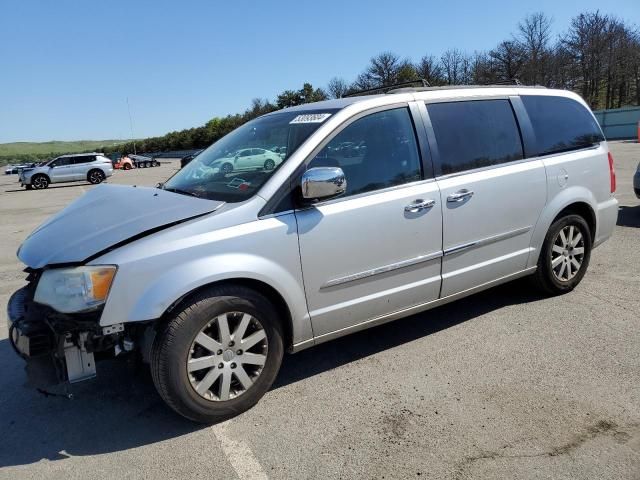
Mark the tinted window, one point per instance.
(561, 124)
(474, 134)
(83, 159)
(376, 151)
(62, 161)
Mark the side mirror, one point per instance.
(323, 183)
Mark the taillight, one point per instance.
(612, 174)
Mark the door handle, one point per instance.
(460, 196)
(419, 205)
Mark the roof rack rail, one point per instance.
(456, 87)
(385, 88)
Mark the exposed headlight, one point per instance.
(70, 290)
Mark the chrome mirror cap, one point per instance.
(321, 183)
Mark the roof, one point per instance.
(340, 103)
(79, 154)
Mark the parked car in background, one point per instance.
(142, 161)
(184, 161)
(636, 182)
(212, 278)
(245, 159)
(16, 169)
(90, 167)
(124, 163)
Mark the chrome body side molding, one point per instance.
(384, 269)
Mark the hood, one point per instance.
(106, 216)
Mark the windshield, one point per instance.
(237, 165)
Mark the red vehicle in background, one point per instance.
(124, 163)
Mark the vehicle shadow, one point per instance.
(121, 410)
(629, 216)
(51, 187)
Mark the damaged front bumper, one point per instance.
(58, 348)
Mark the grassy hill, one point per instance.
(30, 151)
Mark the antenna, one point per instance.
(131, 126)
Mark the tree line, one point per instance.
(598, 56)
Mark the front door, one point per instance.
(491, 196)
(376, 250)
(61, 170)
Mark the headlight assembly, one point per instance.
(77, 289)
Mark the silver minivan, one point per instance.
(213, 275)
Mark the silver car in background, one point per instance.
(214, 275)
(81, 167)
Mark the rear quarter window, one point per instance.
(474, 134)
(561, 124)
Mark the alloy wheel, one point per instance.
(95, 177)
(567, 253)
(40, 182)
(227, 356)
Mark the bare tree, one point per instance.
(430, 70)
(337, 87)
(533, 39)
(509, 58)
(452, 65)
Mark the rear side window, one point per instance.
(561, 124)
(83, 159)
(375, 152)
(474, 134)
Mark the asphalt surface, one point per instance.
(504, 384)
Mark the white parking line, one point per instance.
(239, 454)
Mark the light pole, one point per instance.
(131, 126)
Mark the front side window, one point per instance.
(475, 134)
(561, 124)
(60, 162)
(230, 171)
(375, 152)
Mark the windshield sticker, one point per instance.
(311, 118)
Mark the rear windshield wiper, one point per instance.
(181, 192)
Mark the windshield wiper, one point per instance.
(181, 192)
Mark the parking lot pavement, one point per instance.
(504, 384)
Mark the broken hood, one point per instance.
(106, 216)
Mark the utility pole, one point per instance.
(131, 126)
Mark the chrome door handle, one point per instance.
(460, 196)
(419, 205)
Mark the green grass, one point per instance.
(24, 151)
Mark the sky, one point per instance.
(68, 67)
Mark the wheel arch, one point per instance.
(582, 209)
(259, 286)
(573, 200)
(39, 174)
(93, 169)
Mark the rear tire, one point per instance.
(232, 381)
(96, 176)
(126, 167)
(565, 255)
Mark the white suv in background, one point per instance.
(81, 167)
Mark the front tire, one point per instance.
(218, 353)
(40, 182)
(269, 164)
(565, 255)
(226, 168)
